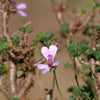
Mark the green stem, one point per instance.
(76, 79)
(52, 88)
(57, 85)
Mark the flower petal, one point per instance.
(45, 52)
(42, 66)
(46, 70)
(53, 50)
(56, 63)
(22, 13)
(21, 6)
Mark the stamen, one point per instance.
(50, 62)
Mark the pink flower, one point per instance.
(21, 7)
(49, 54)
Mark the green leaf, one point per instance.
(15, 40)
(30, 30)
(4, 46)
(15, 99)
(96, 4)
(74, 90)
(39, 48)
(98, 27)
(55, 39)
(83, 47)
(48, 36)
(72, 98)
(82, 11)
(74, 10)
(19, 68)
(91, 31)
(23, 29)
(4, 81)
(97, 69)
(84, 66)
(70, 38)
(82, 74)
(3, 69)
(88, 32)
(85, 96)
(44, 36)
(64, 28)
(35, 42)
(68, 65)
(95, 53)
(73, 49)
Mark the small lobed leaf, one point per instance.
(23, 29)
(74, 10)
(15, 99)
(83, 47)
(4, 46)
(72, 98)
(97, 69)
(70, 38)
(73, 49)
(95, 53)
(82, 11)
(35, 42)
(55, 39)
(3, 69)
(88, 32)
(39, 48)
(30, 30)
(74, 90)
(15, 40)
(44, 36)
(64, 28)
(19, 68)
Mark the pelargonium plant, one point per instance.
(18, 65)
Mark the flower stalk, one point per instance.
(57, 85)
(53, 85)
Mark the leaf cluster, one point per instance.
(64, 29)
(44, 36)
(4, 45)
(3, 69)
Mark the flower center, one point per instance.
(50, 61)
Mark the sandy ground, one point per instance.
(43, 20)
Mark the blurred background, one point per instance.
(42, 16)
